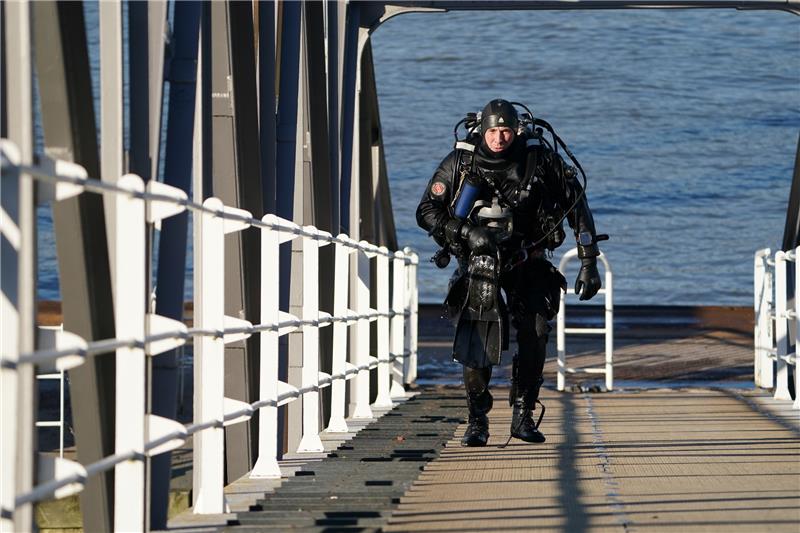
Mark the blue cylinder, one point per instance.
(466, 197)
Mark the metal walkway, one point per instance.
(662, 460)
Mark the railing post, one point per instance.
(361, 304)
(561, 344)
(797, 328)
(759, 278)
(413, 315)
(17, 310)
(768, 330)
(609, 323)
(310, 441)
(267, 463)
(9, 336)
(337, 423)
(781, 329)
(398, 368)
(129, 313)
(384, 399)
(209, 362)
(561, 347)
(762, 331)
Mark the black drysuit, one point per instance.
(532, 287)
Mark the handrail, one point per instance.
(608, 330)
(142, 334)
(107, 345)
(774, 321)
(59, 171)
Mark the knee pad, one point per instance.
(476, 380)
(535, 323)
(541, 326)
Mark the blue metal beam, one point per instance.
(349, 75)
(182, 76)
(266, 101)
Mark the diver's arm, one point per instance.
(580, 218)
(582, 223)
(433, 213)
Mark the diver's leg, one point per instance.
(526, 376)
(479, 401)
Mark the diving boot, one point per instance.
(477, 432)
(522, 425)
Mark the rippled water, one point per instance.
(686, 122)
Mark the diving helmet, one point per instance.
(499, 114)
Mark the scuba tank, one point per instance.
(467, 193)
(468, 185)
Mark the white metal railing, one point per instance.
(140, 334)
(608, 330)
(773, 322)
(53, 374)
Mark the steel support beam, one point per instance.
(376, 13)
(288, 75)
(202, 185)
(376, 207)
(319, 178)
(182, 76)
(267, 110)
(68, 121)
(147, 32)
(354, 41)
(302, 215)
(267, 121)
(350, 72)
(791, 236)
(286, 171)
(3, 74)
(201, 190)
(791, 231)
(147, 28)
(335, 26)
(237, 182)
(111, 109)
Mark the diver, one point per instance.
(497, 203)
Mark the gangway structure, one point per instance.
(270, 138)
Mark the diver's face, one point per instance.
(498, 139)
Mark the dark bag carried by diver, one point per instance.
(481, 331)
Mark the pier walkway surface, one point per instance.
(685, 445)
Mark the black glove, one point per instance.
(481, 241)
(588, 282)
(452, 230)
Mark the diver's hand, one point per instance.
(453, 230)
(481, 241)
(588, 282)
